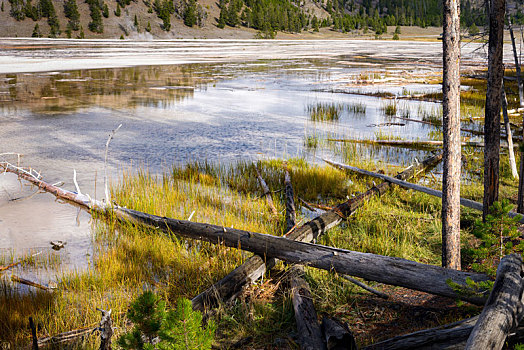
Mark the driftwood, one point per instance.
(412, 143)
(389, 270)
(65, 337)
(290, 202)
(267, 193)
(337, 335)
(7, 267)
(255, 267)
(30, 283)
(106, 330)
(450, 336)
(463, 201)
(500, 314)
(308, 329)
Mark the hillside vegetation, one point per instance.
(222, 18)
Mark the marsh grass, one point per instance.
(357, 108)
(389, 109)
(322, 112)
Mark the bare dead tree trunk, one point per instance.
(492, 115)
(452, 142)
(517, 64)
(509, 137)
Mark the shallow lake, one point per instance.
(188, 100)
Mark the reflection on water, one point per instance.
(173, 114)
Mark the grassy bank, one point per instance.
(128, 259)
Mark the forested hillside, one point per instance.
(93, 18)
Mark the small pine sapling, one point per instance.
(498, 236)
(158, 328)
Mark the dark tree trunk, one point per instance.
(492, 115)
(451, 131)
(517, 65)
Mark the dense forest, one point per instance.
(267, 16)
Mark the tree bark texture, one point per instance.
(451, 133)
(509, 136)
(337, 335)
(106, 330)
(500, 314)
(308, 329)
(492, 113)
(267, 193)
(290, 202)
(390, 270)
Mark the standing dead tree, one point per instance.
(451, 133)
(492, 112)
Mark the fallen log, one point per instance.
(308, 329)
(500, 314)
(290, 202)
(384, 269)
(411, 143)
(400, 272)
(255, 267)
(7, 267)
(15, 278)
(450, 336)
(463, 201)
(65, 337)
(337, 335)
(266, 192)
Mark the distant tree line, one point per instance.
(267, 16)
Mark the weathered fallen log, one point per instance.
(463, 201)
(255, 267)
(65, 337)
(383, 269)
(500, 314)
(15, 278)
(267, 193)
(308, 329)
(290, 202)
(337, 335)
(411, 143)
(7, 267)
(450, 336)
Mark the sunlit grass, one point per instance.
(325, 111)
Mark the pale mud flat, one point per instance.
(39, 55)
(229, 100)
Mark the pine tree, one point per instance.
(71, 12)
(36, 32)
(148, 27)
(190, 18)
(179, 328)
(105, 11)
(118, 11)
